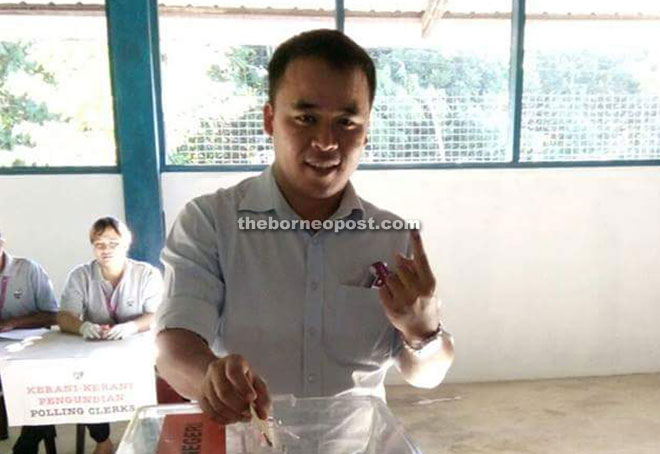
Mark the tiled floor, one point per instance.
(608, 415)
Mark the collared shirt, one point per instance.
(24, 288)
(88, 295)
(294, 303)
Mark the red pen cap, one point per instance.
(380, 271)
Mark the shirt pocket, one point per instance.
(356, 330)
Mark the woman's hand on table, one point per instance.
(90, 330)
(121, 331)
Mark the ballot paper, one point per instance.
(265, 429)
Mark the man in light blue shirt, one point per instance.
(27, 300)
(295, 306)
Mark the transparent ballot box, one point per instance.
(355, 425)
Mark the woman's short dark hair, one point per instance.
(331, 46)
(101, 224)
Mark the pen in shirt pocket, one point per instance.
(378, 272)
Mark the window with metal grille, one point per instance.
(213, 68)
(590, 87)
(592, 81)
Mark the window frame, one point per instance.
(516, 90)
(70, 170)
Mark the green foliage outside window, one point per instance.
(432, 107)
(18, 108)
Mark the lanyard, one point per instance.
(108, 304)
(3, 291)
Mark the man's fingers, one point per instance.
(418, 249)
(212, 399)
(400, 294)
(218, 412)
(232, 416)
(224, 400)
(386, 296)
(421, 262)
(230, 383)
(262, 403)
(237, 372)
(221, 390)
(229, 390)
(211, 412)
(407, 273)
(208, 410)
(231, 398)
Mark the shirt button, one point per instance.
(311, 331)
(314, 285)
(315, 241)
(311, 378)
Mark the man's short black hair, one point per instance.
(331, 46)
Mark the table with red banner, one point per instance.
(57, 378)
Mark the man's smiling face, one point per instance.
(318, 122)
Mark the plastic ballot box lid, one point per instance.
(336, 425)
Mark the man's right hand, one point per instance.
(229, 389)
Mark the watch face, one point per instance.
(18, 294)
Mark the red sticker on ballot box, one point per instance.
(191, 433)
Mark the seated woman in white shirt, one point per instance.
(109, 298)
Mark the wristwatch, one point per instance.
(429, 346)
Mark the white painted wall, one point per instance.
(544, 272)
(47, 217)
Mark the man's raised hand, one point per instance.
(408, 296)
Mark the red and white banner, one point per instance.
(99, 387)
